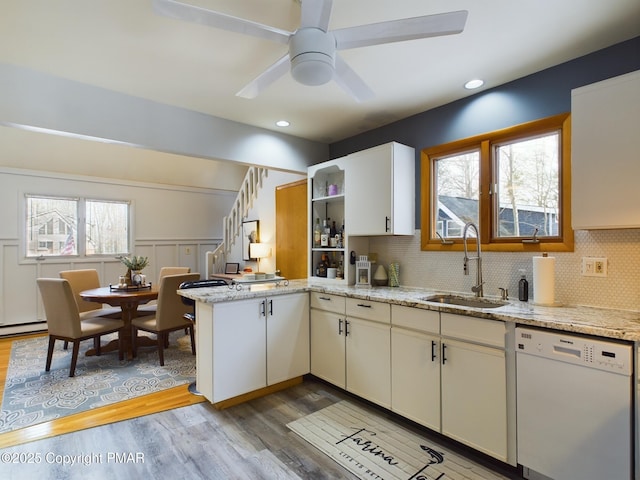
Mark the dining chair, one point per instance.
(87, 279)
(169, 315)
(151, 307)
(64, 323)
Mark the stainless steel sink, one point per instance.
(465, 301)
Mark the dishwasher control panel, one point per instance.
(599, 354)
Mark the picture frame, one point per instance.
(250, 234)
(231, 268)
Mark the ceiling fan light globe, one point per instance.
(312, 69)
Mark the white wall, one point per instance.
(172, 226)
(264, 210)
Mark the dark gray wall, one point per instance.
(536, 96)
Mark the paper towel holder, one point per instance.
(534, 239)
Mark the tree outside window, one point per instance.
(53, 227)
(513, 184)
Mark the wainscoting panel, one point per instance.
(21, 308)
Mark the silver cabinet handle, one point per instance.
(339, 326)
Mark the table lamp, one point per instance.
(258, 251)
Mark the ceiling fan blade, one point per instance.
(351, 82)
(400, 30)
(266, 78)
(316, 13)
(191, 13)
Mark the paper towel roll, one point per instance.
(544, 280)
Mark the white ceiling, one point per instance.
(123, 46)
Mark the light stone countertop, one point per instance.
(609, 323)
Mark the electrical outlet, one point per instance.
(594, 266)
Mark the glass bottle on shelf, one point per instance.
(323, 264)
(324, 236)
(317, 233)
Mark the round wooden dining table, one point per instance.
(128, 300)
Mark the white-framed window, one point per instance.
(57, 226)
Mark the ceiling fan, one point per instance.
(312, 56)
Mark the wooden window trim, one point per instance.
(564, 244)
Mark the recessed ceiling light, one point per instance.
(282, 123)
(471, 84)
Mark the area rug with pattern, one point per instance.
(33, 396)
(373, 447)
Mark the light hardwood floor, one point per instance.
(176, 435)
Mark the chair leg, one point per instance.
(66, 345)
(74, 357)
(97, 344)
(193, 340)
(52, 342)
(134, 343)
(120, 346)
(161, 342)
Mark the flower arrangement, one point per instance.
(135, 263)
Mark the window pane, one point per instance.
(457, 184)
(51, 226)
(107, 227)
(528, 187)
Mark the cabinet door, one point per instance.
(380, 186)
(604, 125)
(239, 348)
(415, 377)
(474, 396)
(287, 337)
(327, 347)
(368, 360)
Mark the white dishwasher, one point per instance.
(574, 406)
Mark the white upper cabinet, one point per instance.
(605, 156)
(380, 191)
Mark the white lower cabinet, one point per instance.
(328, 352)
(449, 373)
(368, 360)
(474, 409)
(350, 345)
(415, 365)
(245, 345)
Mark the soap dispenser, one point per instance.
(523, 287)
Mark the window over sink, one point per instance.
(514, 184)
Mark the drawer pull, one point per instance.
(328, 299)
(364, 305)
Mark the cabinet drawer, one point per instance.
(368, 310)
(415, 319)
(478, 330)
(328, 302)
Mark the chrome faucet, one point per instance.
(477, 288)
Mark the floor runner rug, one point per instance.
(33, 396)
(372, 447)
